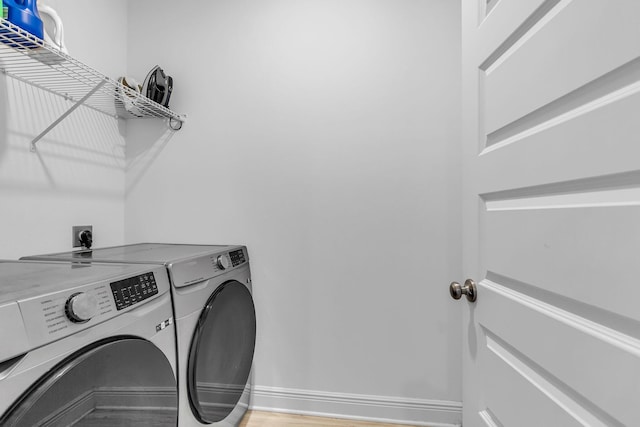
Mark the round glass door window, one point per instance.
(222, 352)
(121, 381)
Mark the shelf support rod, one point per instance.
(66, 113)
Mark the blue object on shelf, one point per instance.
(24, 14)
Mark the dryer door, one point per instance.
(119, 381)
(222, 352)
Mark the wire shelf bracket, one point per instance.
(65, 114)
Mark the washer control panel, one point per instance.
(132, 290)
(58, 314)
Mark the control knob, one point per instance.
(81, 307)
(222, 262)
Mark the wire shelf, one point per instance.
(33, 61)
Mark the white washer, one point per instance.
(215, 323)
(86, 344)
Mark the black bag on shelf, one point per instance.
(158, 86)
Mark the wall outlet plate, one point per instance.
(75, 234)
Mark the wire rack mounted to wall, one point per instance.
(29, 59)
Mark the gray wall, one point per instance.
(324, 136)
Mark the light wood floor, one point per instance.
(274, 419)
(113, 418)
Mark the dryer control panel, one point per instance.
(192, 271)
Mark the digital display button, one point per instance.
(237, 257)
(131, 291)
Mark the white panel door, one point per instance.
(551, 112)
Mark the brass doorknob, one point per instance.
(469, 289)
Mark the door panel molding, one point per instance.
(579, 411)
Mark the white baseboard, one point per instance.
(419, 412)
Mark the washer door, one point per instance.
(222, 352)
(120, 381)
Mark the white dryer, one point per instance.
(86, 345)
(215, 323)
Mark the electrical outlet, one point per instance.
(76, 230)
